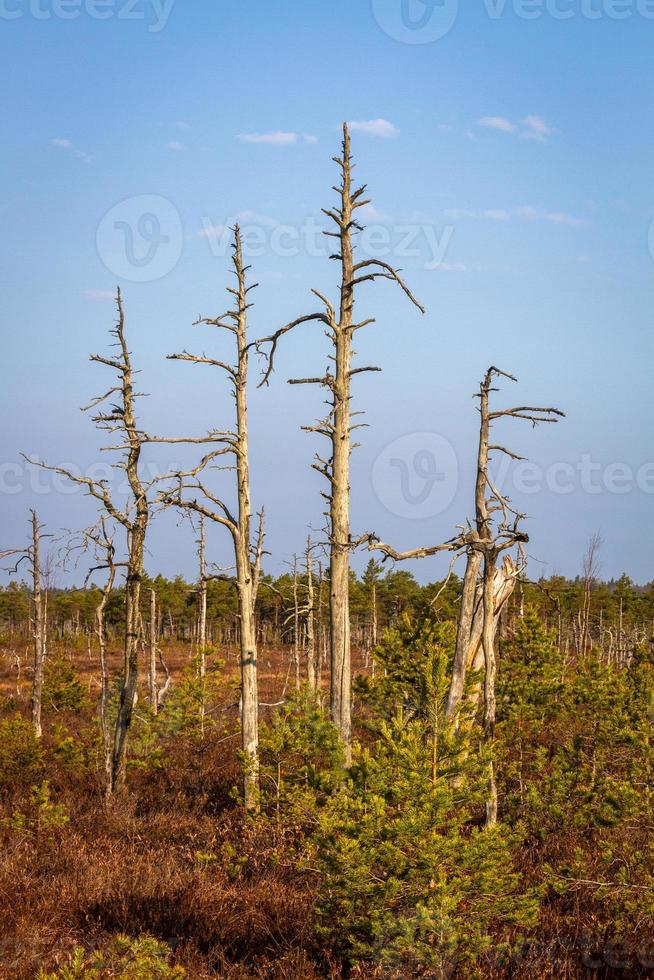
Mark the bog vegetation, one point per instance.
(319, 774)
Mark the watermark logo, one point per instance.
(154, 13)
(416, 21)
(140, 239)
(426, 21)
(420, 241)
(416, 476)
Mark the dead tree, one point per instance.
(338, 426)
(104, 549)
(120, 421)
(590, 569)
(202, 596)
(486, 587)
(310, 620)
(248, 552)
(32, 555)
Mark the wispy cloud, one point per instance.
(555, 217)
(253, 218)
(180, 124)
(497, 122)
(535, 128)
(175, 145)
(532, 127)
(63, 143)
(370, 213)
(98, 294)
(526, 212)
(451, 267)
(277, 138)
(309, 138)
(375, 127)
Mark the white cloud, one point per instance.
(370, 213)
(309, 138)
(532, 127)
(527, 212)
(536, 129)
(252, 218)
(278, 138)
(455, 213)
(564, 219)
(375, 127)
(451, 267)
(63, 143)
(98, 294)
(497, 122)
(555, 217)
(175, 145)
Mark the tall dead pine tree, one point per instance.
(486, 585)
(120, 421)
(337, 427)
(247, 551)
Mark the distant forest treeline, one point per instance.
(620, 613)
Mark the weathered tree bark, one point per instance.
(248, 554)
(105, 547)
(482, 601)
(311, 634)
(39, 628)
(202, 623)
(136, 531)
(338, 426)
(120, 421)
(463, 634)
(153, 689)
(202, 596)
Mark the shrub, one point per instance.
(21, 755)
(61, 685)
(144, 958)
(301, 759)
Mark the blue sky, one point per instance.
(509, 162)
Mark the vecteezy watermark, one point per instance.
(416, 21)
(154, 13)
(140, 239)
(412, 240)
(416, 476)
(426, 21)
(18, 477)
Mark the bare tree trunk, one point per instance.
(106, 543)
(136, 533)
(338, 427)
(202, 625)
(39, 628)
(152, 655)
(463, 634)
(202, 631)
(311, 639)
(248, 556)
(296, 626)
